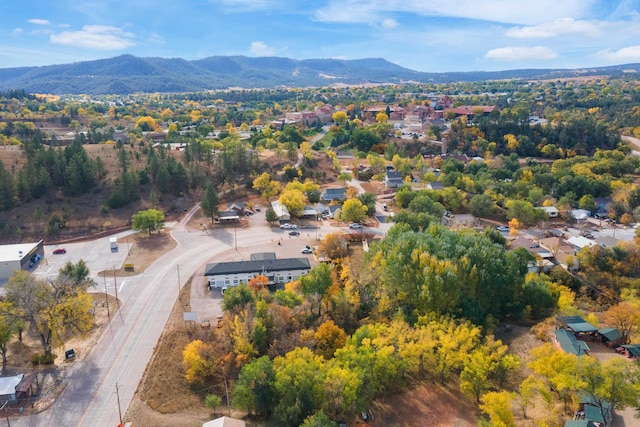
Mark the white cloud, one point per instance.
(155, 38)
(259, 48)
(505, 11)
(389, 23)
(557, 28)
(516, 53)
(17, 31)
(39, 21)
(625, 54)
(101, 37)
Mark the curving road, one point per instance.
(124, 349)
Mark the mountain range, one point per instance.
(128, 74)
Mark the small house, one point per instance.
(281, 211)
(611, 337)
(8, 386)
(393, 179)
(551, 211)
(435, 185)
(632, 351)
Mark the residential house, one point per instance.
(580, 242)
(281, 211)
(611, 337)
(551, 211)
(334, 193)
(435, 185)
(8, 386)
(393, 179)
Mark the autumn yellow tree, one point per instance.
(199, 363)
(624, 316)
(329, 337)
(339, 117)
(497, 405)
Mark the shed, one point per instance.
(610, 336)
(8, 386)
(633, 350)
(225, 422)
(568, 342)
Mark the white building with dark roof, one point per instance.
(279, 271)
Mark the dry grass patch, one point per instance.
(144, 249)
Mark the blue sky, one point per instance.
(424, 35)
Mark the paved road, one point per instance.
(124, 349)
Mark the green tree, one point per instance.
(299, 385)
(315, 286)
(588, 203)
(237, 297)
(255, 389)
(481, 205)
(150, 219)
(523, 211)
(213, 402)
(210, 202)
(319, 419)
(7, 189)
(270, 215)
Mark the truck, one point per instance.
(113, 242)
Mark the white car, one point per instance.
(306, 251)
(355, 226)
(502, 228)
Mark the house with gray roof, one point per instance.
(393, 179)
(334, 193)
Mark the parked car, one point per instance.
(294, 233)
(287, 226)
(59, 251)
(355, 226)
(306, 250)
(502, 228)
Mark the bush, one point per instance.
(43, 359)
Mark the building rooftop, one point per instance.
(570, 344)
(15, 252)
(266, 265)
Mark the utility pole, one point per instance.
(178, 269)
(115, 284)
(106, 297)
(118, 397)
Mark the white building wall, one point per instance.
(227, 280)
(7, 268)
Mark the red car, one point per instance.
(59, 251)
